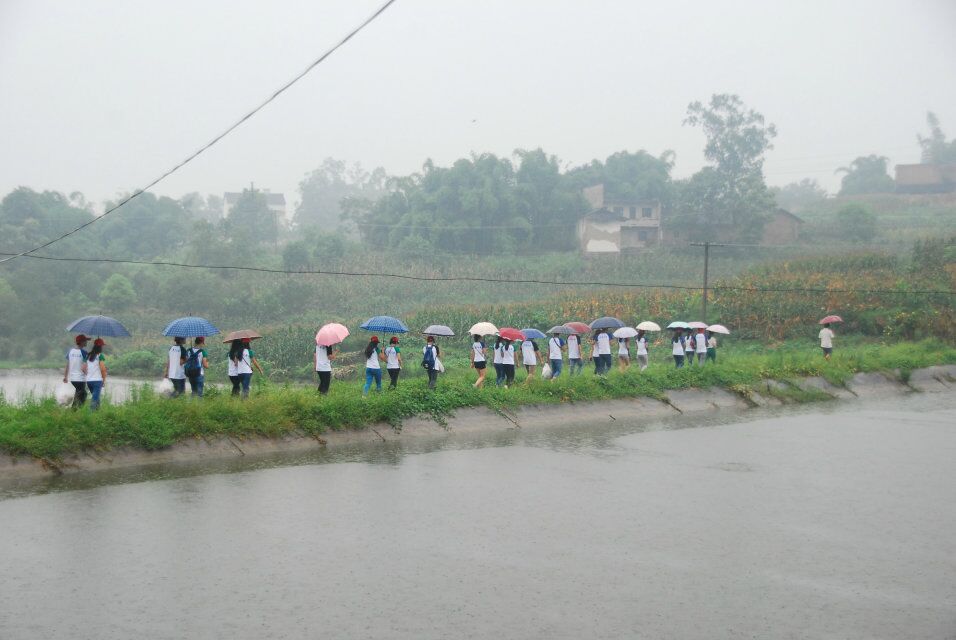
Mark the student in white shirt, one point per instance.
(174, 366)
(574, 354)
(479, 360)
(603, 346)
(200, 357)
(247, 360)
(700, 347)
(430, 359)
(689, 348)
(373, 370)
(393, 362)
(323, 367)
(677, 348)
(235, 354)
(826, 336)
(641, 341)
(508, 362)
(555, 349)
(623, 353)
(711, 347)
(95, 373)
(529, 357)
(75, 372)
(499, 370)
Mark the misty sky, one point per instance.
(103, 96)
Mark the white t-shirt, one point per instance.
(528, 354)
(202, 370)
(391, 357)
(623, 348)
(700, 343)
(497, 351)
(245, 363)
(322, 362)
(433, 346)
(478, 347)
(93, 373)
(75, 362)
(689, 343)
(508, 354)
(574, 348)
(175, 366)
(554, 348)
(712, 343)
(678, 349)
(372, 361)
(826, 338)
(603, 344)
(641, 345)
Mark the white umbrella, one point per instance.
(678, 324)
(719, 328)
(647, 325)
(625, 332)
(697, 325)
(483, 329)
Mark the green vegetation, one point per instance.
(148, 421)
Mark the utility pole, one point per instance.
(703, 312)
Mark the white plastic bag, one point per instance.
(439, 367)
(546, 371)
(164, 386)
(64, 393)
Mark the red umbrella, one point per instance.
(830, 319)
(579, 327)
(510, 333)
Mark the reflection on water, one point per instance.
(19, 385)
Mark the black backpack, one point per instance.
(193, 366)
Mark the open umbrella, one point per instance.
(677, 324)
(510, 333)
(99, 326)
(830, 319)
(625, 332)
(606, 322)
(331, 333)
(384, 324)
(483, 329)
(697, 325)
(578, 327)
(190, 327)
(533, 334)
(438, 330)
(719, 328)
(248, 334)
(561, 330)
(647, 325)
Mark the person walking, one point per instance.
(574, 354)
(479, 360)
(323, 366)
(247, 361)
(197, 361)
(623, 353)
(174, 366)
(373, 370)
(508, 362)
(529, 357)
(700, 347)
(677, 348)
(95, 373)
(555, 356)
(689, 348)
(430, 355)
(499, 370)
(393, 362)
(235, 355)
(604, 350)
(712, 347)
(75, 371)
(826, 336)
(641, 342)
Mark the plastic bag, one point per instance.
(165, 386)
(546, 371)
(64, 393)
(439, 367)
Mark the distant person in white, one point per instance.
(323, 367)
(95, 373)
(555, 349)
(75, 372)
(700, 346)
(174, 366)
(623, 353)
(529, 357)
(574, 354)
(641, 341)
(826, 340)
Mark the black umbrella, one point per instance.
(606, 322)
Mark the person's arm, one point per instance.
(256, 364)
(330, 352)
(472, 356)
(205, 361)
(398, 356)
(166, 368)
(102, 369)
(182, 356)
(66, 370)
(316, 359)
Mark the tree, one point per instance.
(799, 195)
(8, 303)
(145, 227)
(250, 220)
(856, 223)
(324, 190)
(628, 177)
(935, 148)
(731, 193)
(866, 174)
(117, 293)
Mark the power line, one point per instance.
(212, 142)
(559, 283)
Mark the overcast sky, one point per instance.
(101, 97)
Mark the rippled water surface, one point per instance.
(829, 522)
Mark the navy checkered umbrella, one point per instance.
(190, 327)
(384, 324)
(99, 326)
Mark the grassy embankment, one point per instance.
(148, 421)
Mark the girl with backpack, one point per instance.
(95, 373)
(430, 354)
(373, 370)
(393, 361)
(197, 361)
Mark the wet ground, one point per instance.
(833, 521)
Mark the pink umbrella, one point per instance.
(719, 328)
(332, 333)
(830, 319)
(697, 325)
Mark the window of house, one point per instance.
(647, 212)
(619, 211)
(642, 235)
(633, 212)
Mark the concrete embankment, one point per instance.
(938, 379)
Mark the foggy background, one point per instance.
(101, 97)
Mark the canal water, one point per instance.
(833, 521)
(18, 385)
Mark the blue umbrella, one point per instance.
(607, 323)
(190, 327)
(384, 324)
(533, 334)
(99, 326)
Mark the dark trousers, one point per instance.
(499, 374)
(235, 380)
(179, 386)
(509, 371)
(393, 377)
(574, 364)
(678, 361)
(432, 378)
(606, 362)
(79, 394)
(325, 379)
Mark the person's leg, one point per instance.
(325, 378)
(556, 365)
(179, 386)
(79, 394)
(700, 358)
(235, 384)
(510, 374)
(393, 378)
(246, 379)
(608, 363)
(499, 374)
(679, 361)
(432, 378)
(377, 373)
(368, 381)
(201, 385)
(193, 385)
(95, 388)
(642, 360)
(712, 354)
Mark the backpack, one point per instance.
(193, 366)
(428, 361)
